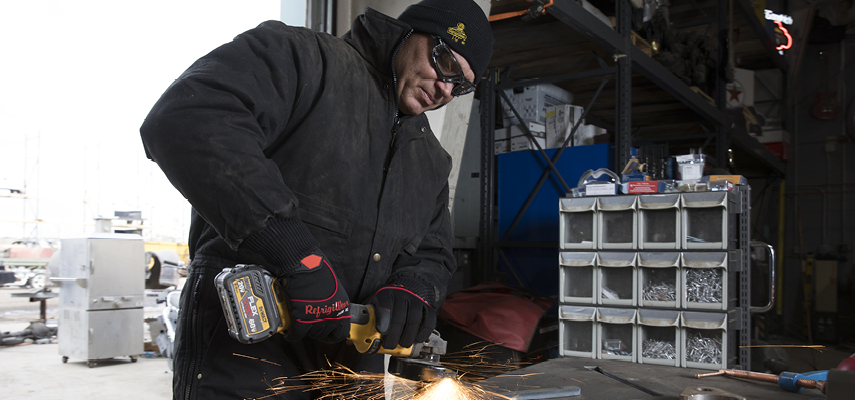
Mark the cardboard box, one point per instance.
(536, 129)
(523, 143)
(531, 102)
(501, 146)
(644, 187)
(560, 120)
(601, 189)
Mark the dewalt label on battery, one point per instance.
(252, 310)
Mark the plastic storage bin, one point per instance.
(578, 277)
(577, 331)
(659, 219)
(659, 339)
(616, 334)
(659, 279)
(617, 280)
(705, 220)
(578, 222)
(704, 280)
(617, 222)
(704, 340)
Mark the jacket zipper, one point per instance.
(396, 120)
(189, 381)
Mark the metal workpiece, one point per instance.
(546, 393)
(708, 393)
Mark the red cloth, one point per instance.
(497, 313)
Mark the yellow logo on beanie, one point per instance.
(457, 33)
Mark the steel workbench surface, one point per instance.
(668, 381)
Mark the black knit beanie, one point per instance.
(460, 23)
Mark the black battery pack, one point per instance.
(251, 300)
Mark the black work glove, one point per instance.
(403, 317)
(319, 305)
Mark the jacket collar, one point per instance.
(376, 37)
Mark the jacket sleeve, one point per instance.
(430, 268)
(208, 133)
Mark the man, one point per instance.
(311, 156)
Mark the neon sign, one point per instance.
(771, 16)
(789, 43)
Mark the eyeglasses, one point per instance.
(448, 69)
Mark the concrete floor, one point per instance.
(30, 371)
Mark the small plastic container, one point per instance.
(705, 220)
(616, 281)
(659, 279)
(616, 334)
(577, 277)
(617, 222)
(704, 340)
(577, 331)
(659, 337)
(704, 280)
(578, 223)
(659, 221)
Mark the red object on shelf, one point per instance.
(779, 149)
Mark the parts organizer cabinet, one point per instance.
(683, 288)
(102, 296)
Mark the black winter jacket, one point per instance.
(286, 140)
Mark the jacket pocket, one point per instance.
(413, 245)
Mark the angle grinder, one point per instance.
(254, 304)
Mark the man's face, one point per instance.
(419, 86)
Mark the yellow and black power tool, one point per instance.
(255, 307)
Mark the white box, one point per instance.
(538, 130)
(617, 334)
(705, 220)
(617, 278)
(577, 331)
(700, 291)
(524, 143)
(659, 222)
(658, 272)
(704, 326)
(560, 120)
(531, 102)
(577, 277)
(662, 326)
(501, 146)
(577, 219)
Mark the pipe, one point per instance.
(780, 260)
(512, 14)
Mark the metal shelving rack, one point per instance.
(627, 59)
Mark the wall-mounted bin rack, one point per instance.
(616, 280)
(577, 331)
(704, 340)
(578, 277)
(659, 219)
(617, 222)
(578, 222)
(616, 334)
(705, 220)
(704, 280)
(659, 279)
(659, 338)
